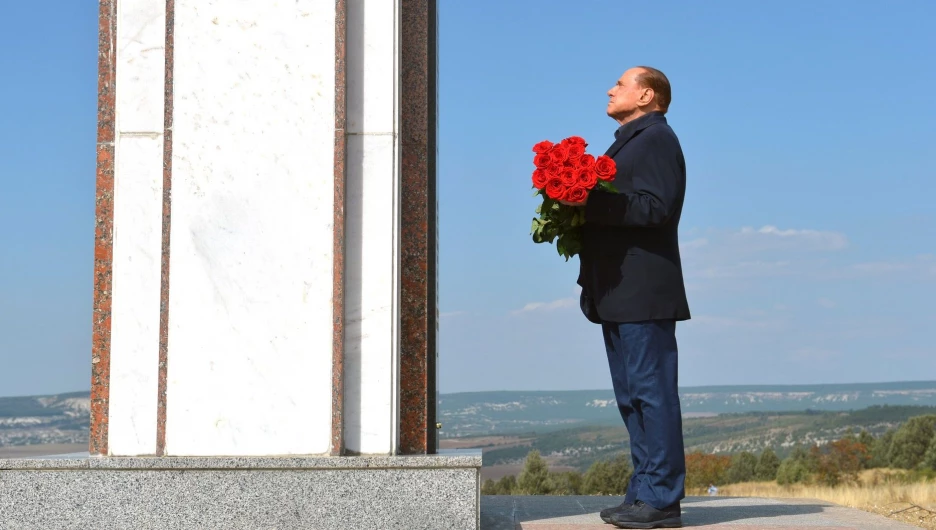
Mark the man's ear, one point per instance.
(646, 96)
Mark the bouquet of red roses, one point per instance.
(564, 176)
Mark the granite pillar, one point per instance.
(419, 131)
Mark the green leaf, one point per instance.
(550, 232)
(607, 186)
(538, 230)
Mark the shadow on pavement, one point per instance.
(695, 511)
(505, 512)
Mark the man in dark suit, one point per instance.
(632, 284)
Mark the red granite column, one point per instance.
(338, 296)
(419, 238)
(163, 366)
(103, 227)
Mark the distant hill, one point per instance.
(64, 418)
(580, 445)
(477, 413)
(58, 419)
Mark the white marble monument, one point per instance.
(265, 276)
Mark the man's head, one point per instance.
(639, 91)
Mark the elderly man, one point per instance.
(632, 285)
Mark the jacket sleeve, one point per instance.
(658, 180)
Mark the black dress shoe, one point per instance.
(642, 515)
(608, 512)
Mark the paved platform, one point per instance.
(729, 513)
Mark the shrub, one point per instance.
(743, 467)
(792, 471)
(767, 465)
(703, 469)
(535, 479)
(911, 441)
(567, 483)
(840, 461)
(608, 477)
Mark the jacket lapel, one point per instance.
(617, 145)
(628, 133)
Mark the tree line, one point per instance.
(912, 446)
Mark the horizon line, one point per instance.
(745, 385)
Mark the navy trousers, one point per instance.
(642, 357)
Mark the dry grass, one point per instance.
(502, 470)
(486, 442)
(912, 503)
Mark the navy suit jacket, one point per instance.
(630, 268)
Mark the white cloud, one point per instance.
(747, 269)
(923, 265)
(803, 239)
(572, 301)
(880, 267)
(718, 323)
(545, 306)
(749, 252)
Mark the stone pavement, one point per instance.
(729, 513)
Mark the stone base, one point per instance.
(429, 492)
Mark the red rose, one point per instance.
(576, 194)
(542, 147)
(540, 177)
(585, 177)
(576, 151)
(605, 168)
(568, 177)
(587, 161)
(576, 140)
(541, 160)
(559, 154)
(553, 170)
(555, 189)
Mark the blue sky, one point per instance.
(808, 241)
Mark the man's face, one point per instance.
(627, 96)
